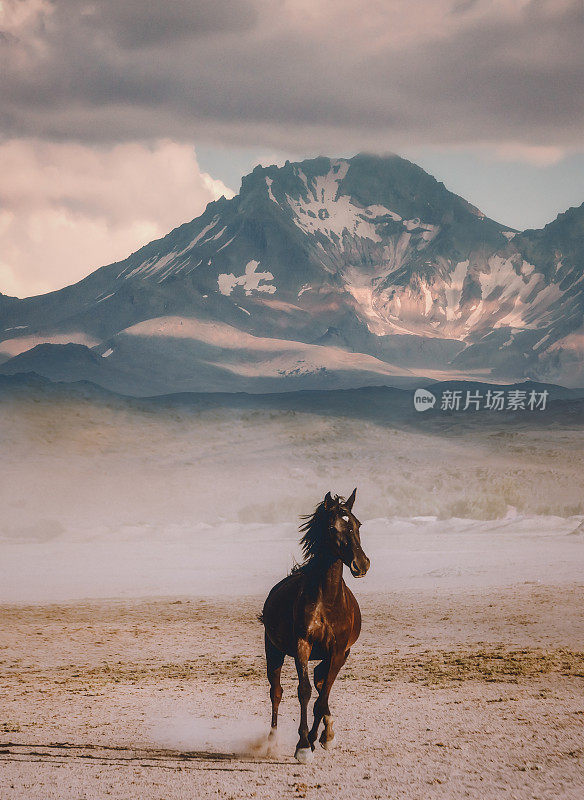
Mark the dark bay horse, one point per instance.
(312, 615)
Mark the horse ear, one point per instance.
(328, 501)
(351, 499)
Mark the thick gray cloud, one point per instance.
(293, 73)
(138, 24)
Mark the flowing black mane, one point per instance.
(314, 529)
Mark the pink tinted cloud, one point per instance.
(66, 209)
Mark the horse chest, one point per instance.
(325, 627)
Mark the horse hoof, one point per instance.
(327, 745)
(303, 755)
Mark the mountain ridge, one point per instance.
(403, 270)
(382, 405)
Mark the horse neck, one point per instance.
(329, 576)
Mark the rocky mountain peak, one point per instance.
(365, 255)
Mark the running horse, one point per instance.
(312, 615)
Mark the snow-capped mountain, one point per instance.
(324, 273)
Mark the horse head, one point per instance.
(343, 537)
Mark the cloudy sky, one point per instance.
(120, 119)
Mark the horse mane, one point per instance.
(312, 529)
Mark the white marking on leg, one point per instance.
(303, 755)
(327, 737)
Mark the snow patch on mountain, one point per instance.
(278, 305)
(106, 297)
(427, 231)
(453, 292)
(508, 282)
(322, 209)
(202, 235)
(161, 266)
(250, 280)
(361, 288)
(269, 183)
(573, 341)
(227, 243)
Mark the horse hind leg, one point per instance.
(274, 661)
(320, 673)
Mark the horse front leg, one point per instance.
(274, 661)
(320, 673)
(304, 749)
(321, 707)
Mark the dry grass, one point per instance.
(488, 664)
(431, 668)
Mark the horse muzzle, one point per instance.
(359, 567)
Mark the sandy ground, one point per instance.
(471, 695)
